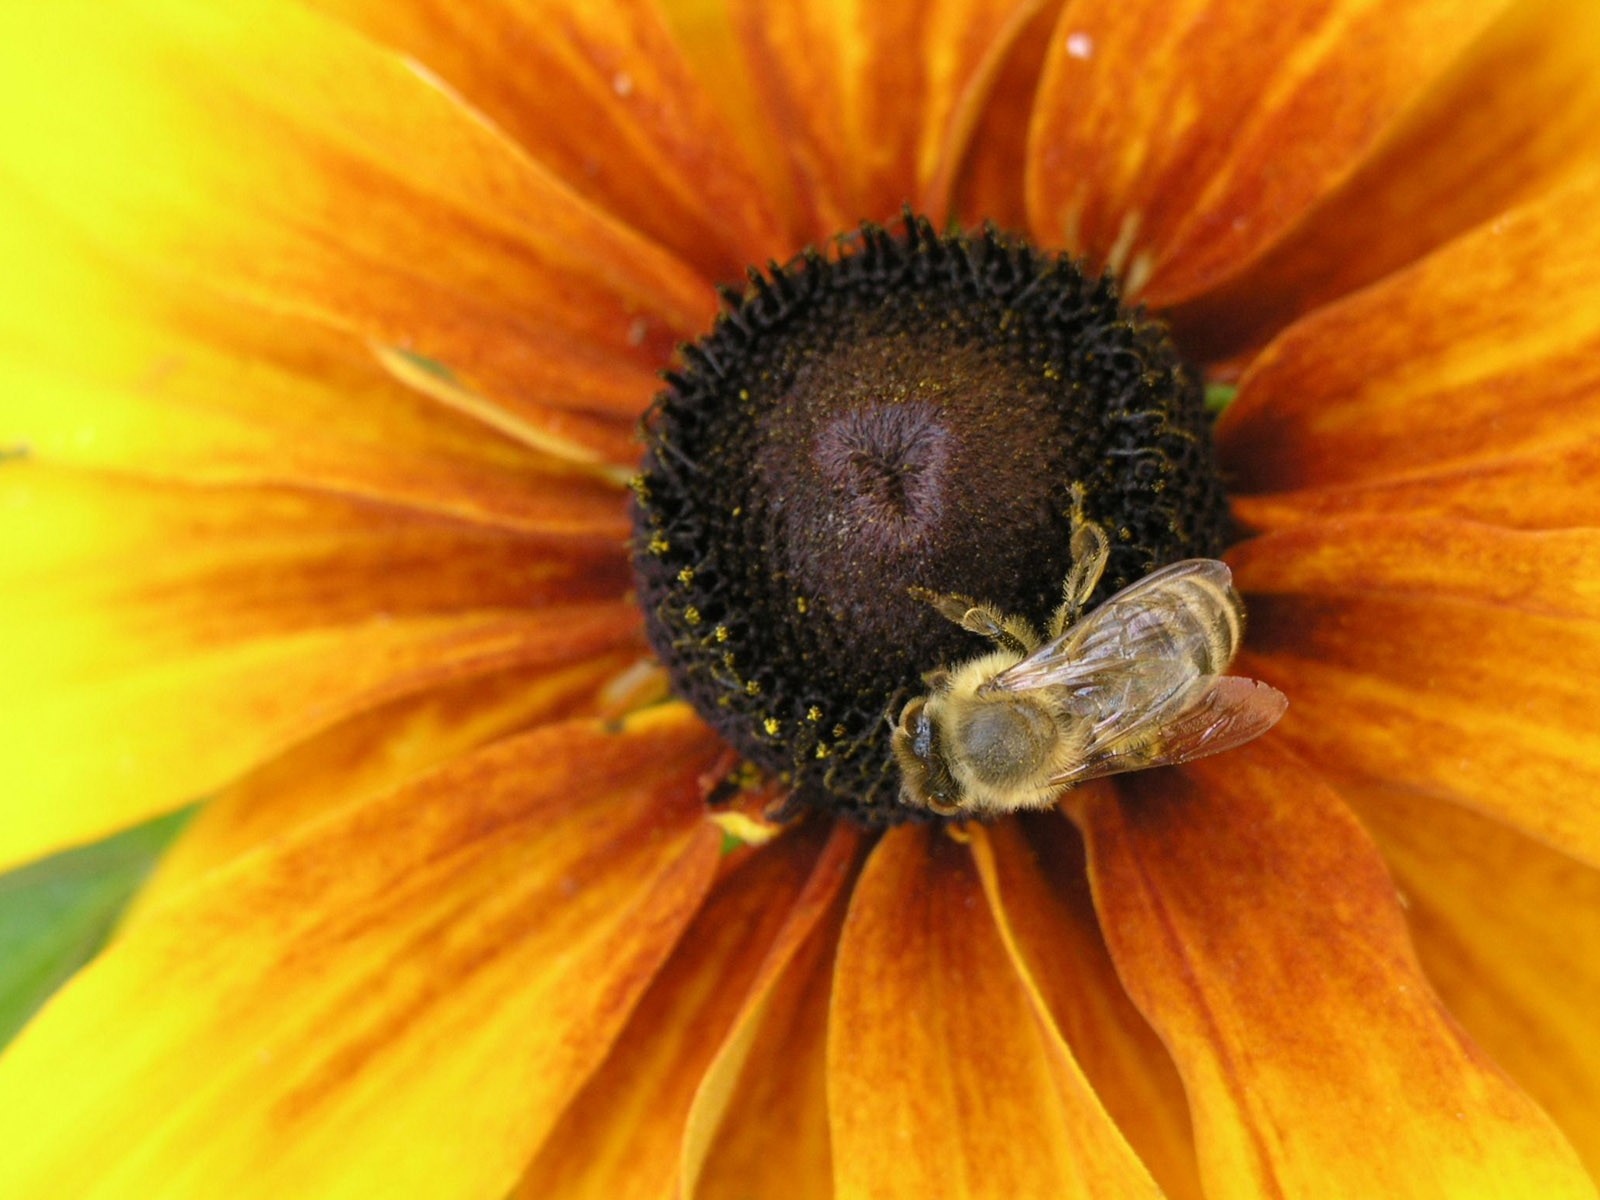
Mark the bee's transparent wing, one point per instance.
(1177, 624)
(1216, 713)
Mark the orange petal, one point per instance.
(399, 1001)
(875, 103)
(946, 1076)
(1509, 932)
(1515, 116)
(1451, 657)
(602, 96)
(1254, 924)
(367, 196)
(622, 1136)
(1174, 139)
(115, 367)
(770, 1073)
(374, 752)
(1468, 384)
(989, 182)
(1037, 884)
(178, 635)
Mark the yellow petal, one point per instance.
(271, 154)
(1037, 884)
(875, 104)
(601, 95)
(622, 1137)
(1512, 119)
(1253, 923)
(945, 1075)
(770, 1072)
(1452, 657)
(109, 366)
(399, 1000)
(1509, 932)
(178, 635)
(1469, 384)
(374, 752)
(1173, 139)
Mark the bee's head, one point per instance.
(925, 779)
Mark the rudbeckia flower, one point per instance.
(549, 840)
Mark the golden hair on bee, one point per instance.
(1136, 683)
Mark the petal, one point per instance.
(1514, 117)
(1174, 139)
(1038, 887)
(989, 183)
(875, 104)
(178, 635)
(1254, 924)
(375, 752)
(369, 198)
(1468, 384)
(601, 96)
(945, 1075)
(399, 1001)
(1453, 658)
(114, 367)
(1509, 933)
(770, 1071)
(622, 1137)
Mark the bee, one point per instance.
(1136, 683)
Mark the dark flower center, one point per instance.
(909, 411)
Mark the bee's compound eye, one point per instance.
(1006, 741)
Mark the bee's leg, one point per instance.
(1090, 549)
(1009, 633)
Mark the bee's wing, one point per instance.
(1177, 623)
(1216, 713)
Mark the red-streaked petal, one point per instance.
(1468, 384)
(1174, 139)
(1516, 116)
(1038, 885)
(114, 367)
(1253, 923)
(1448, 656)
(875, 104)
(769, 1073)
(400, 1000)
(272, 154)
(945, 1074)
(622, 1137)
(1509, 932)
(178, 635)
(603, 97)
(989, 183)
(375, 752)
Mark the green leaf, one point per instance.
(56, 913)
(1219, 396)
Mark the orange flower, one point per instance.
(325, 331)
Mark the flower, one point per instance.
(325, 329)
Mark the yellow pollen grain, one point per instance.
(658, 544)
(772, 725)
(752, 687)
(822, 751)
(800, 603)
(721, 633)
(813, 713)
(686, 576)
(692, 615)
